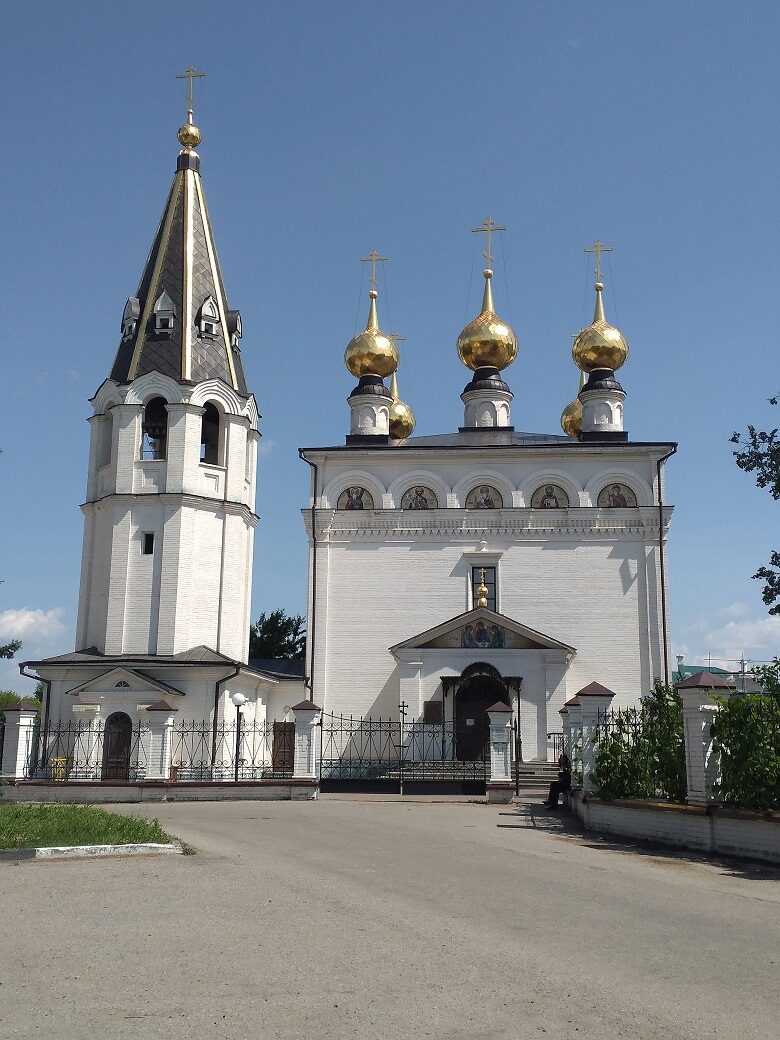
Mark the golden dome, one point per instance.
(189, 135)
(571, 419)
(571, 416)
(487, 342)
(371, 352)
(401, 415)
(601, 345)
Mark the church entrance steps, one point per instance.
(536, 774)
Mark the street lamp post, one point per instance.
(238, 699)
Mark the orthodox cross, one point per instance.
(487, 229)
(190, 74)
(598, 248)
(373, 258)
(396, 338)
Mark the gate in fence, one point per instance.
(399, 757)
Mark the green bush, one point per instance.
(640, 752)
(746, 735)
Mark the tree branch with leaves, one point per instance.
(760, 454)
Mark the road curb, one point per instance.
(143, 848)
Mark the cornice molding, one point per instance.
(453, 525)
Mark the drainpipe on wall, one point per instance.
(661, 557)
(217, 693)
(312, 620)
(46, 700)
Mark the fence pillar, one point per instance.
(500, 786)
(702, 764)
(305, 763)
(566, 727)
(160, 720)
(18, 741)
(595, 700)
(574, 708)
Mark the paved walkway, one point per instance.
(392, 920)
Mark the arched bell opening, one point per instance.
(117, 739)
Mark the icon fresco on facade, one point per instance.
(616, 496)
(419, 497)
(549, 496)
(483, 496)
(481, 636)
(355, 498)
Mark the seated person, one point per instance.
(563, 783)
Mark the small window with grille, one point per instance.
(490, 585)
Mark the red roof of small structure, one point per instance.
(705, 681)
(595, 689)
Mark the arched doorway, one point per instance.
(117, 738)
(480, 687)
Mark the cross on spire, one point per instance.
(397, 338)
(373, 258)
(190, 73)
(487, 229)
(598, 248)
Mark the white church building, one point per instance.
(447, 574)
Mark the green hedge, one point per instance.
(746, 735)
(640, 752)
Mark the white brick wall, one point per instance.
(587, 577)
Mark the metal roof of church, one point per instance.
(183, 271)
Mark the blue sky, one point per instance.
(333, 128)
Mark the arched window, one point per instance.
(209, 435)
(154, 440)
(208, 318)
(103, 455)
(164, 313)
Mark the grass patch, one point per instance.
(34, 826)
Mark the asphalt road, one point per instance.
(387, 919)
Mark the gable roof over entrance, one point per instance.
(527, 638)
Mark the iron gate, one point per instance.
(399, 757)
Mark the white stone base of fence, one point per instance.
(101, 793)
(714, 830)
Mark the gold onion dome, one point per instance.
(487, 341)
(571, 416)
(601, 345)
(371, 352)
(401, 415)
(189, 135)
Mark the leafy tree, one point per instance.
(8, 697)
(8, 651)
(768, 676)
(760, 454)
(278, 636)
(746, 734)
(640, 752)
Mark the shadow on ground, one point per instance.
(530, 814)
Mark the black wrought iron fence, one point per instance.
(77, 749)
(255, 750)
(746, 734)
(394, 755)
(640, 753)
(196, 750)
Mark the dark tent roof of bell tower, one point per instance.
(183, 268)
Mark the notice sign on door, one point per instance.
(470, 722)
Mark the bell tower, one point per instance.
(169, 511)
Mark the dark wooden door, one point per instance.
(117, 738)
(471, 729)
(283, 750)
